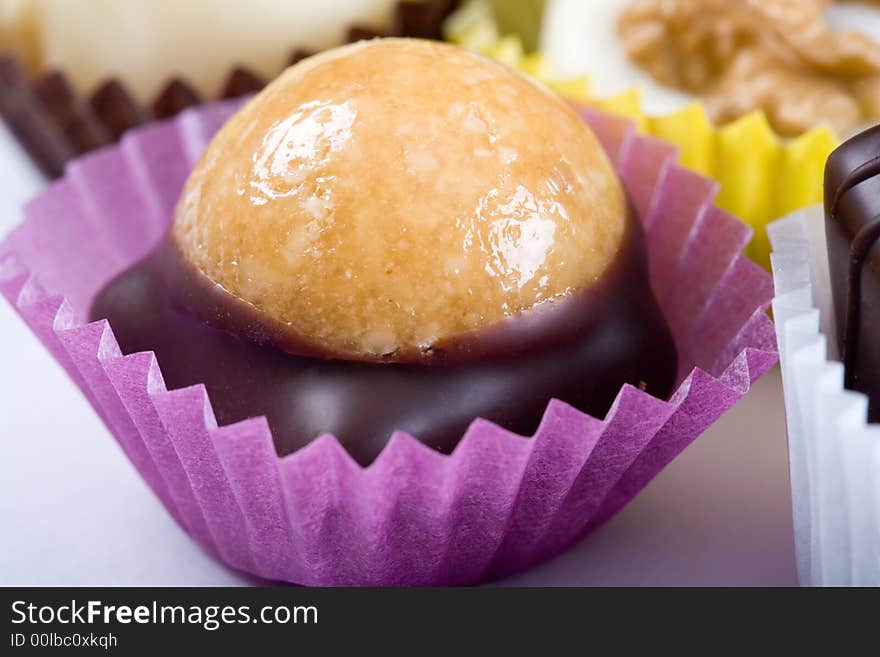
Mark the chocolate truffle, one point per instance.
(852, 226)
(386, 197)
(399, 235)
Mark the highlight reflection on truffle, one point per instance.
(382, 199)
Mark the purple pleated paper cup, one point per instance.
(499, 502)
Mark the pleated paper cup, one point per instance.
(834, 452)
(499, 502)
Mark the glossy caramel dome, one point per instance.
(386, 197)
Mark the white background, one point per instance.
(73, 511)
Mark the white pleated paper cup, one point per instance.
(834, 454)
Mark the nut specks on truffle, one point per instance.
(390, 195)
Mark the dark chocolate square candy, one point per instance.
(852, 224)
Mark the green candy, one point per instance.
(521, 17)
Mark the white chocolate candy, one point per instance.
(146, 42)
(390, 195)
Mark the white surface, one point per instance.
(19, 180)
(835, 454)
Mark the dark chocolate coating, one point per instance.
(422, 19)
(116, 109)
(75, 119)
(33, 126)
(174, 98)
(617, 335)
(298, 55)
(240, 82)
(852, 227)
